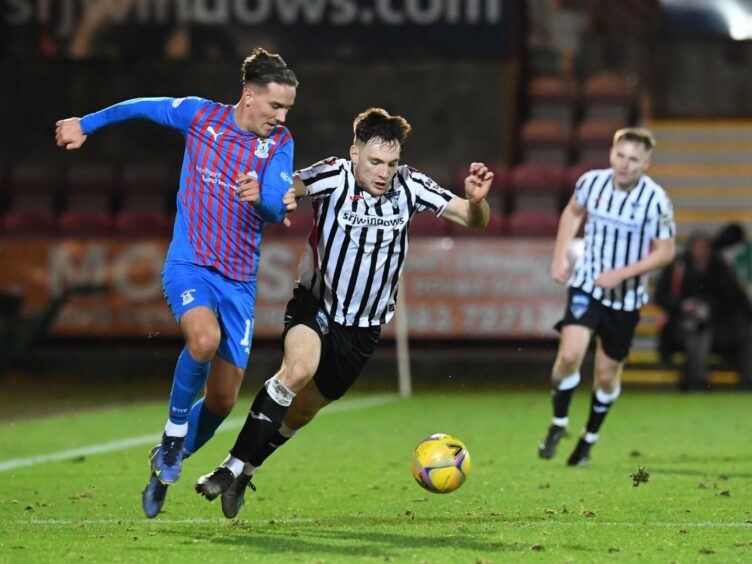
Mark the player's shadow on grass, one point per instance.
(355, 537)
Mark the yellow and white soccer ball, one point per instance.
(441, 463)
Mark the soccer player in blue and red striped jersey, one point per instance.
(236, 177)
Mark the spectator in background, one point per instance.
(708, 311)
(734, 246)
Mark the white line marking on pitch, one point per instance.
(122, 444)
(200, 521)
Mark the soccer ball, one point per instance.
(441, 463)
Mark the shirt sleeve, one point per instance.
(662, 221)
(429, 196)
(584, 187)
(275, 183)
(322, 178)
(177, 113)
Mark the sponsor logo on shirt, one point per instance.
(358, 220)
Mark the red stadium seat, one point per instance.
(609, 96)
(553, 97)
(537, 186)
(426, 224)
(575, 171)
(594, 139)
(85, 223)
(546, 142)
(533, 223)
(88, 201)
(135, 223)
(31, 199)
(29, 223)
(144, 201)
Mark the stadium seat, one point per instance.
(533, 223)
(546, 142)
(426, 224)
(609, 96)
(573, 173)
(537, 186)
(85, 223)
(552, 97)
(144, 200)
(31, 200)
(594, 139)
(135, 223)
(87, 200)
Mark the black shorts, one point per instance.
(615, 328)
(344, 350)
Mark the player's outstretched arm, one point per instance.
(472, 211)
(68, 133)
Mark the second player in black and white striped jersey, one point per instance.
(357, 247)
(629, 232)
(620, 229)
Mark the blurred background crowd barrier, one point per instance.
(534, 88)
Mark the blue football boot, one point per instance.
(155, 492)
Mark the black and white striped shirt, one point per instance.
(357, 248)
(620, 228)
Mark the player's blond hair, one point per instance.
(636, 135)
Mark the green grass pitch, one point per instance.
(341, 491)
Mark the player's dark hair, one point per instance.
(261, 67)
(636, 135)
(377, 123)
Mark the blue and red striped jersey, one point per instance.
(212, 227)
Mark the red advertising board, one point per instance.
(453, 288)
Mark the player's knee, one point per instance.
(203, 344)
(221, 404)
(296, 375)
(568, 361)
(606, 380)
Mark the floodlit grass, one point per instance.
(342, 491)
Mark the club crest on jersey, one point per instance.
(579, 305)
(393, 197)
(187, 296)
(262, 148)
(323, 322)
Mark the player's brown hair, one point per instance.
(377, 123)
(261, 67)
(636, 135)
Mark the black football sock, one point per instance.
(600, 405)
(561, 398)
(280, 437)
(263, 420)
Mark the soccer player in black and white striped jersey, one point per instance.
(347, 289)
(629, 232)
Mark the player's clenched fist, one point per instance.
(68, 133)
